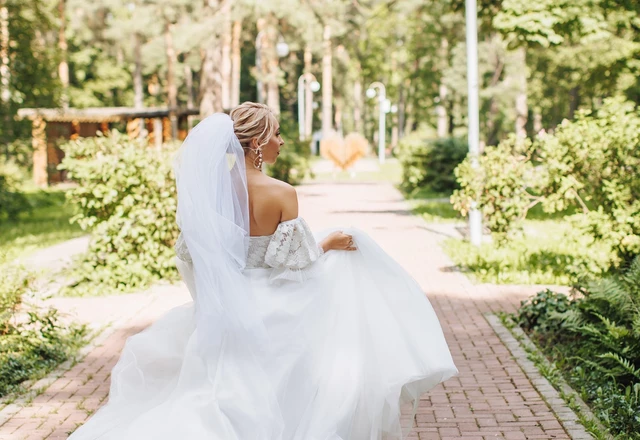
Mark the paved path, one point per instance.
(491, 399)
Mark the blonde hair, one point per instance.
(253, 121)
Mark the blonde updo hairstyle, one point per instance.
(253, 121)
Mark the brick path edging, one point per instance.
(567, 417)
(10, 405)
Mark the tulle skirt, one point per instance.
(355, 344)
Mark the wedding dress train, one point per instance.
(354, 343)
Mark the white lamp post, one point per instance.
(282, 50)
(305, 80)
(475, 219)
(385, 106)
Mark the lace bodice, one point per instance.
(291, 248)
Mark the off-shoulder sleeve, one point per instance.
(292, 250)
(182, 252)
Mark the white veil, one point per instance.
(213, 214)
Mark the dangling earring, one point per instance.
(257, 162)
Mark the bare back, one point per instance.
(271, 202)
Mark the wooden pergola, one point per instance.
(51, 124)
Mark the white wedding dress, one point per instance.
(356, 342)
(281, 342)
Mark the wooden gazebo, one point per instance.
(52, 124)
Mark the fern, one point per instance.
(626, 365)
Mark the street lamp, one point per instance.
(385, 107)
(282, 50)
(475, 219)
(305, 108)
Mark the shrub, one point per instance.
(594, 162)
(430, 163)
(126, 196)
(591, 162)
(32, 340)
(595, 340)
(293, 163)
(12, 200)
(503, 185)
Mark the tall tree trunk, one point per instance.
(273, 65)
(63, 67)
(337, 117)
(522, 109)
(327, 83)
(5, 74)
(211, 80)
(537, 120)
(225, 41)
(235, 63)
(358, 100)
(308, 94)
(138, 86)
(172, 88)
(188, 79)
(574, 101)
(401, 109)
(441, 110)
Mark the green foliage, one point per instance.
(548, 252)
(33, 341)
(126, 196)
(539, 313)
(293, 163)
(45, 224)
(12, 201)
(595, 340)
(591, 163)
(429, 163)
(502, 185)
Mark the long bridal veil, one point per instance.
(201, 371)
(213, 213)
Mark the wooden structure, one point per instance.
(52, 124)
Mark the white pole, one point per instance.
(259, 66)
(475, 219)
(381, 126)
(382, 98)
(301, 107)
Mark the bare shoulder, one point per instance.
(286, 196)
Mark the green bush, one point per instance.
(126, 196)
(293, 163)
(594, 162)
(502, 185)
(12, 200)
(591, 163)
(429, 163)
(594, 338)
(33, 341)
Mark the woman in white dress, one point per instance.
(290, 336)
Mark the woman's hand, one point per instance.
(338, 241)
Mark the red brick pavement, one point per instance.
(491, 399)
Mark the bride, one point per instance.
(290, 336)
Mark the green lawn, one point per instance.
(549, 251)
(433, 207)
(46, 225)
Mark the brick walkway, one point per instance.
(491, 399)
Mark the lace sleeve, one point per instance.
(182, 252)
(292, 246)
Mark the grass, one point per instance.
(46, 225)
(433, 207)
(547, 252)
(390, 171)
